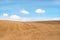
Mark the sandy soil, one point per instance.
(10, 30)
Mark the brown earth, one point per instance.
(48, 30)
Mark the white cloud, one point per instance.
(15, 17)
(5, 14)
(40, 11)
(24, 11)
(55, 18)
(26, 19)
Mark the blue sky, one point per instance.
(27, 10)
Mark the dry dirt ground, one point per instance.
(10, 30)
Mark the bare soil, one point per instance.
(11, 30)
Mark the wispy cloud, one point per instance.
(15, 17)
(26, 19)
(24, 11)
(5, 14)
(56, 2)
(40, 11)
